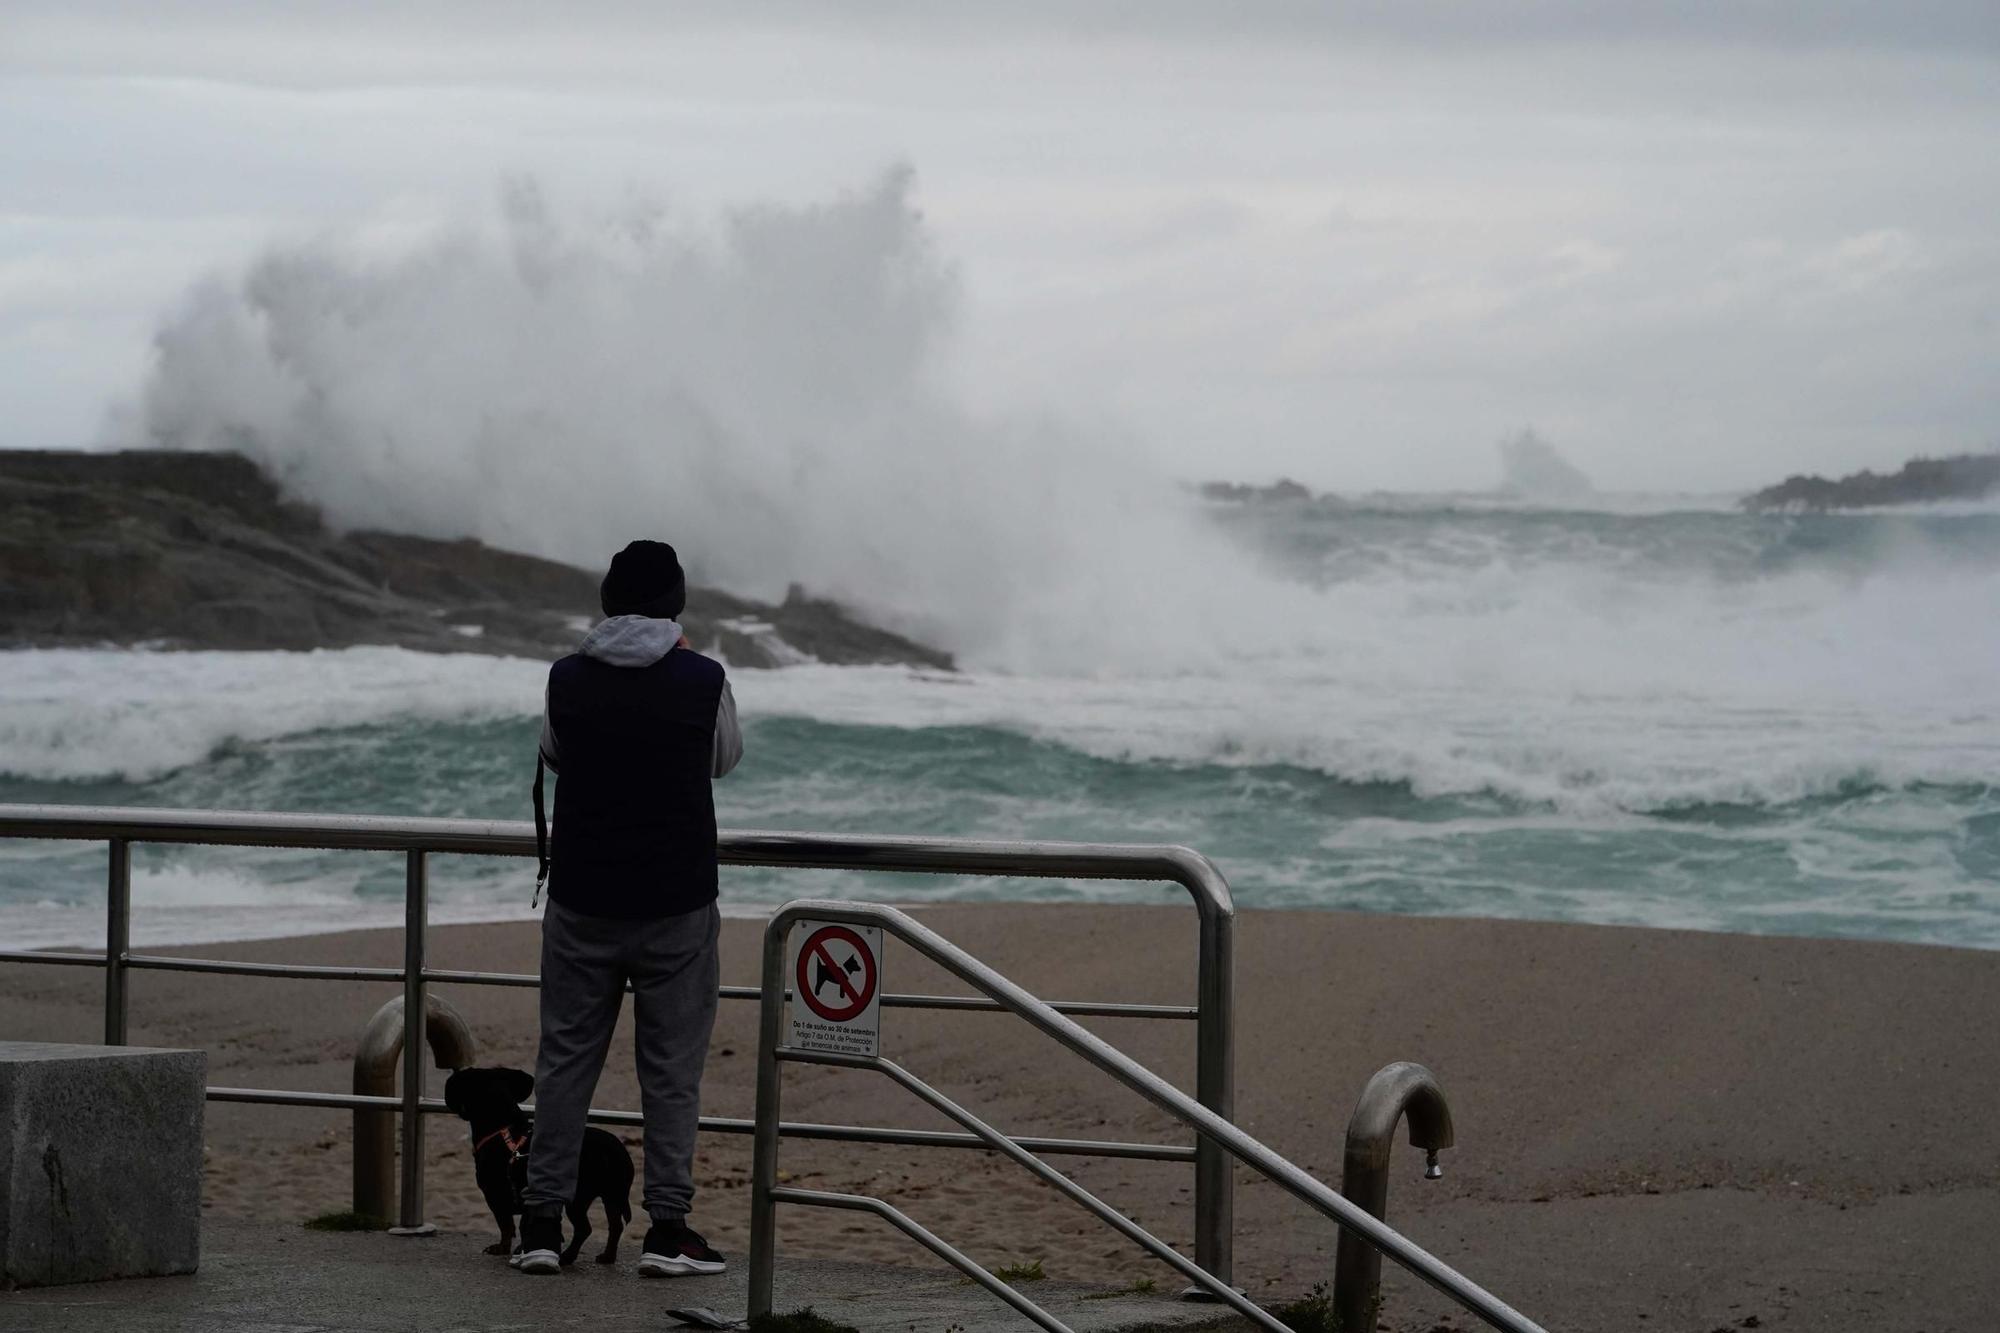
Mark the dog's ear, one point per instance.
(516, 1084)
(455, 1089)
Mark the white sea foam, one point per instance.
(178, 903)
(1590, 761)
(1582, 691)
(71, 714)
(1583, 687)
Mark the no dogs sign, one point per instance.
(836, 980)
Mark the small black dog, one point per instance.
(501, 1134)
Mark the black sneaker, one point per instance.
(675, 1249)
(541, 1243)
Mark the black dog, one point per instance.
(501, 1134)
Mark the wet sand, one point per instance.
(1656, 1130)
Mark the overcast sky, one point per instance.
(1697, 246)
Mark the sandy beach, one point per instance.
(1657, 1130)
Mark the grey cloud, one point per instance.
(320, 41)
(1352, 244)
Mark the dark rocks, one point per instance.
(1284, 488)
(199, 550)
(1921, 481)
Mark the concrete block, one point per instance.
(100, 1162)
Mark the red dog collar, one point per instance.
(514, 1145)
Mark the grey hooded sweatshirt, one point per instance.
(640, 641)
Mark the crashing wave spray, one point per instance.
(1533, 469)
(769, 395)
(764, 394)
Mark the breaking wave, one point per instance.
(1545, 703)
(767, 392)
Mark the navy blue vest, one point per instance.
(635, 809)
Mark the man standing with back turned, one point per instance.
(637, 724)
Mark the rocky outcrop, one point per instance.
(199, 550)
(1921, 481)
(1236, 492)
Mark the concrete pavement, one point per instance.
(257, 1279)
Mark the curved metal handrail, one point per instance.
(377, 1056)
(1394, 1092)
(1092, 1048)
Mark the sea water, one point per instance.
(1648, 712)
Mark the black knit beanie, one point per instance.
(645, 579)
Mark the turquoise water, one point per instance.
(1689, 719)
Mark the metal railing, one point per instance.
(767, 1194)
(1395, 1092)
(377, 1056)
(1212, 1013)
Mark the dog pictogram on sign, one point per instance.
(836, 983)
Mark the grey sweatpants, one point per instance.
(586, 961)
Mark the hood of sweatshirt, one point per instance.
(631, 641)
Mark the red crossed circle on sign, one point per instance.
(817, 967)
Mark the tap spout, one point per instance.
(1401, 1091)
(377, 1057)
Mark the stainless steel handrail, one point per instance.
(1395, 1092)
(1213, 1011)
(929, 1239)
(771, 1052)
(1079, 1008)
(530, 981)
(377, 1054)
(1018, 1152)
(791, 1129)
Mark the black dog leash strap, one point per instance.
(541, 834)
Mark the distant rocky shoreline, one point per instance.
(1920, 481)
(200, 550)
(1236, 492)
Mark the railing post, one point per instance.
(416, 915)
(117, 940)
(764, 1156)
(1215, 1088)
